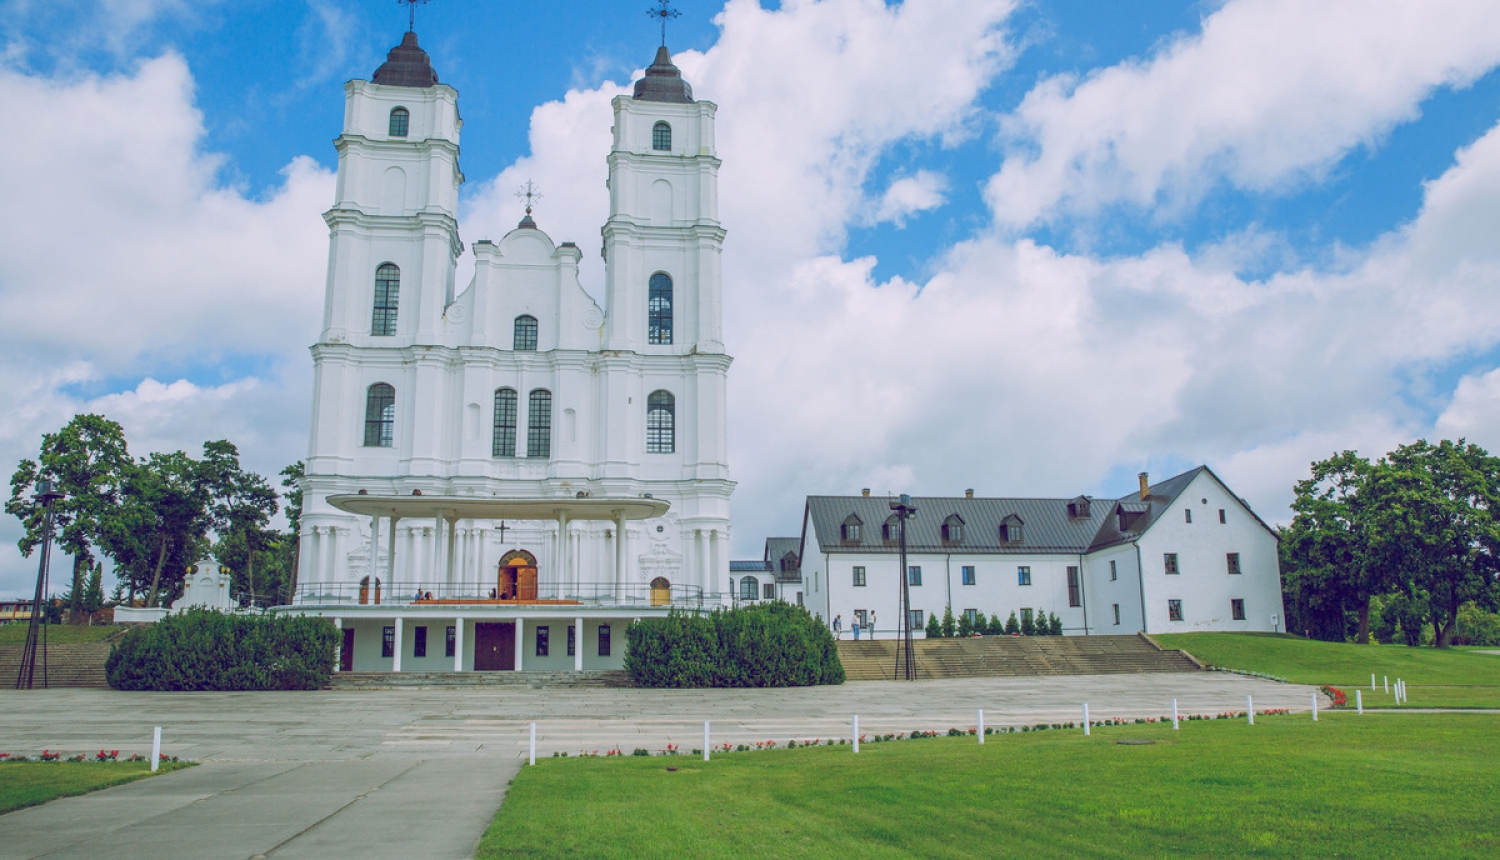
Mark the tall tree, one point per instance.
(163, 523)
(242, 505)
(1432, 512)
(292, 482)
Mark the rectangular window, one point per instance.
(539, 424)
(799, 598)
(1187, 515)
(914, 575)
(1025, 616)
(768, 591)
(543, 640)
(451, 646)
(859, 576)
(1023, 575)
(504, 442)
(1075, 588)
(972, 615)
(419, 642)
(915, 622)
(1221, 516)
(968, 574)
(1117, 613)
(1174, 610)
(603, 640)
(860, 617)
(1233, 561)
(1113, 573)
(388, 642)
(1169, 561)
(572, 640)
(1237, 609)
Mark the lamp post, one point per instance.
(46, 495)
(905, 651)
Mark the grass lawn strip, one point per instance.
(59, 634)
(24, 784)
(1342, 787)
(1435, 678)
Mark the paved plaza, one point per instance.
(420, 773)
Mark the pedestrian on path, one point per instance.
(855, 628)
(872, 624)
(838, 626)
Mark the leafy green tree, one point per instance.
(241, 508)
(934, 627)
(1012, 627)
(1329, 569)
(1434, 515)
(1028, 626)
(950, 627)
(1054, 625)
(965, 626)
(291, 482)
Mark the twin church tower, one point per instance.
(518, 386)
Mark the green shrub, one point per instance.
(965, 627)
(771, 644)
(204, 650)
(1011, 625)
(1054, 624)
(1476, 626)
(997, 627)
(1028, 627)
(934, 627)
(950, 629)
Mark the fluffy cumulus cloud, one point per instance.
(908, 195)
(1269, 94)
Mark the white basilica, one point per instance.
(503, 475)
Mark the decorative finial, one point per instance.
(664, 11)
(530, 193)
(411, 17)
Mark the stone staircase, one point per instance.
(428, 680)
(1009, 656)
(74, 664)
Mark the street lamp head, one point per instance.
(46, 492)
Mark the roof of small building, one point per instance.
(748, 566)
(663, 81)
(1047, 524)
(407, 65)
(778, 547)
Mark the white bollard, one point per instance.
(1174, 715)
(1250, 709)
(531, 757)
(1359, 702)
(981, 726)
(155, 749)
(1085, 719)
(855, 735)
(1372, 682)
(1387, 681)
(705, 740)
(1315, 707)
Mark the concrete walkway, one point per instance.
(419, 773)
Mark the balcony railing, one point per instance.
(476, 595)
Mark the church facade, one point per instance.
(501, 460)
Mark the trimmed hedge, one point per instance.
(771, 644)
(203, 650)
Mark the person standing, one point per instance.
(838, 626)
(872, 624)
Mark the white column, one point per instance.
(560, 576)
(476, 567)
(619, 552)
(391, 561)
(338, 644)
(374, 548)
(458, 644)
(331, 538)
(308, 558)
(520, 637)
(713, 559)
(700, 556)
(578, 644)
(437, 544)
(452, 537)
(396, 658)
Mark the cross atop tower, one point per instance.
(530, 193)
(411, 17)
(663, 11)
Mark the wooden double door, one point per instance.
(494, 646)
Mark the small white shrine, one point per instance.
(206, 587)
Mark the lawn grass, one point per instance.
(59, 634)
(25, 784)
(1412, 786)
(1435, 677)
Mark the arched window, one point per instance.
(661, 423)
(749, 588)
(539, 423)
(525, 333)
(505, 423)
(853, 529)
(400, 122)
(953, 529)
(659, 316)
(661, 137)
(380, 416)
(387, 298)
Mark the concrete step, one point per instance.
(73, 664)
(536, 680)
(1009, 656)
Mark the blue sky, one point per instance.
(1032, 247)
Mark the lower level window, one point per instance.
(915, 622)
(451, 645)
(1117, 612)
(572, 640)
(1174, 610)
(543, 635)
(859, 576)
(603, 640)
(768, 591)
(388, 642)
(970, 615)
(419, 642)
(1237, 608)
(1023, 575)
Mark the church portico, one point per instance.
(481, 639)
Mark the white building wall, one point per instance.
(1106, 592)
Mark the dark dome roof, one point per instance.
(406, 66)
(663, 81)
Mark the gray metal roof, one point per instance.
(747, 566)
(778, 547)
(1161, 496)
(663, 81)
(1047, 524)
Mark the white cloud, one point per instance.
(1474, 412)
(1271, 93)
(908, 195)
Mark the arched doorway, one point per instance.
(517, 578)
(661, 591)
(364, 590)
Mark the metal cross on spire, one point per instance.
(664, 11)
(530, 193)
(411, 17)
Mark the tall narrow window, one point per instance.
(1237, 608)
(661, 423)
(400, 122)
(505, 423)
(543, 640)
(859, 575)
(572, 640)
(768, 591)
(1222, 519)
(539, 423)
(659, 309)
(451, 642)
(1174, 610)
(914, 575)
(1232, 560)
(914, 621)
(387, 298)
(1075, 587)
(1117, 612)
(380, 416)
(603, 640)
(388, 642)
(1023, 575)
(1114, 572)
(968, 574)
(525, 340)
(419, 642)
(661, 137)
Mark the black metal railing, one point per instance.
(595, 594)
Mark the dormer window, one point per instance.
(852, 531)
(789, 562)
(661, 137)
(891, 531)
(400, 122)
(953, 529)
(1078, 508)
(1010, 529)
